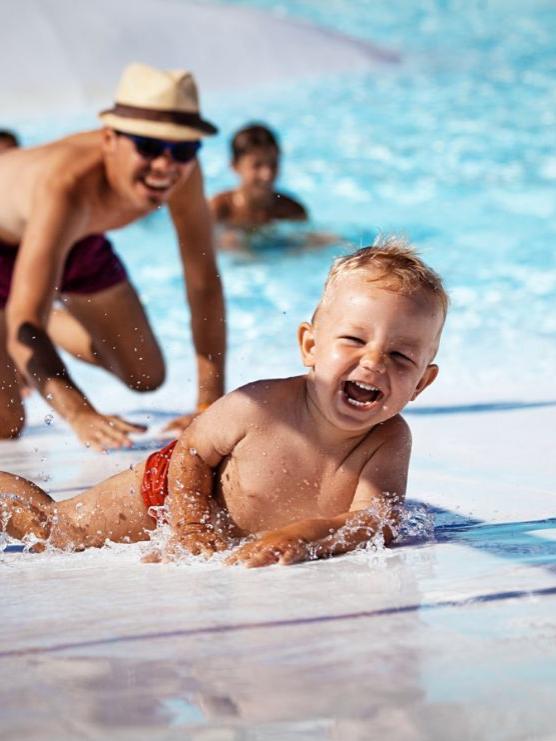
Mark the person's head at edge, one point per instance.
(8, 140)
(152, 133)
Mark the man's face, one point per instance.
(146, 181)
(370, 351)
(257, 170)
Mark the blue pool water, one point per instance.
(452, 147)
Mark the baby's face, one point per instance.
(370, 351)
(258, 169)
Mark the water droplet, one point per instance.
(193, 451)
(49, 419)
(49, 397)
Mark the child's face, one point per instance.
(257, 170)
(370, 351)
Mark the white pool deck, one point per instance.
(448, 638)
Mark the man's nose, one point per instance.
(163, 160)
(373, 359)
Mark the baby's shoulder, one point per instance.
(266, 395)
(232, 418)
(393, 434)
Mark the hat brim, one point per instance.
(158, 129)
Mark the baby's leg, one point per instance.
(113, 509)
(25, 509)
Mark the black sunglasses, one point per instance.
(150, 148)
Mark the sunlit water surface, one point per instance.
(453, 148)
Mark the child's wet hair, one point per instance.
(392, 263)
(251, 137)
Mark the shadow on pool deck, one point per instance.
(479, 407)
(509, 540)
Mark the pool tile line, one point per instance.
(284, 623)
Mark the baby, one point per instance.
(306, 467)
(255, 159)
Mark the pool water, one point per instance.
(453, 147)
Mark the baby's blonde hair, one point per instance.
(393, 264)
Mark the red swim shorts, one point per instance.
(91, 266)
(154, 487)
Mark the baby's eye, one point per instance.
(352, 339)
(399, 356)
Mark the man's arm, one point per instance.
(375, 510)
(192, 219)
(57, 220)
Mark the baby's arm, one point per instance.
(197, 522)
(189, 501)
(374, 509)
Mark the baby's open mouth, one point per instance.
(360, 394)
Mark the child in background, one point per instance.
(254, 203)
(305, 467)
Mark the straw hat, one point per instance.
(163, 104)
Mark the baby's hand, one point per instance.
(270, 549)
(202, 541)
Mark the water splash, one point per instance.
(416, 523)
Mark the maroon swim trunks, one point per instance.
(154, 487)
(90, 267)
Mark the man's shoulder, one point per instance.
(69, 162)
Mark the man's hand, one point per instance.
(269, 549)
(179, 424)
(102, 431)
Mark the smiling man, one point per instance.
(57, 201)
